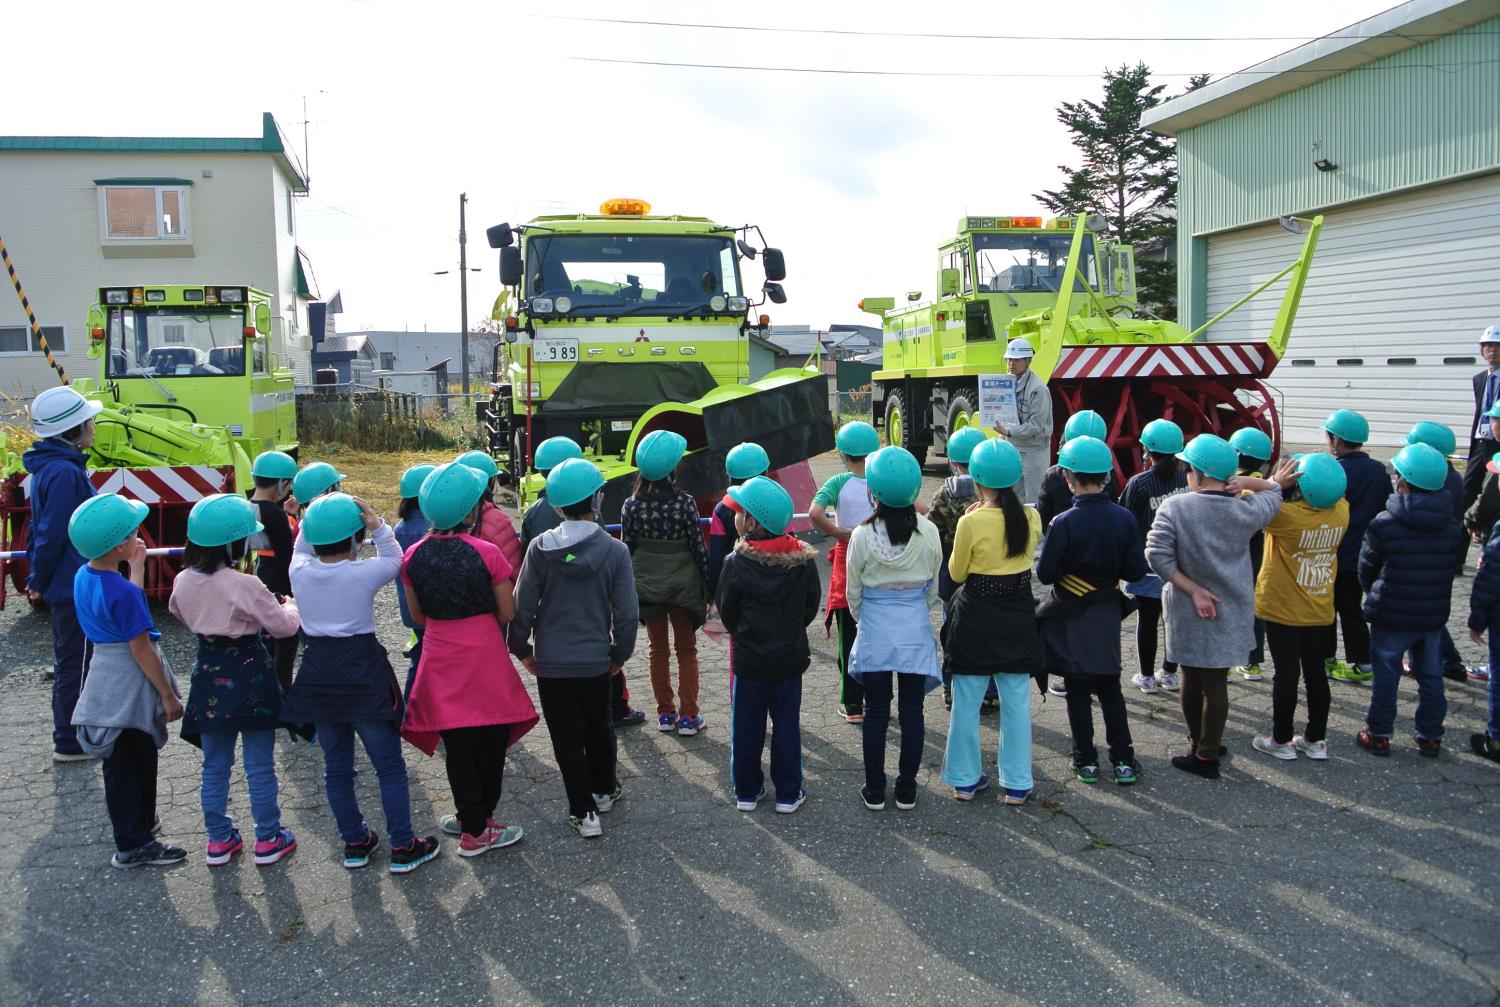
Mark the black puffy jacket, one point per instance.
(1407, 562)
(768, 594)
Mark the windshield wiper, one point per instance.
(166, 392)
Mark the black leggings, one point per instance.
(1298, 652)
(476, 768)
(1146, 620)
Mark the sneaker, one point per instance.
(268, 851)
(989, 707)
(1057, 687)
(687, 727)
(1430, 747)
(1208, 769)
(750, 803)
(1168, 682)
(1015, 798)
(968, 793)
(1350, 674)
(357, 855)
(587, 826)
(1315, 750)
(156, 853)
(405, 859)
(666, 723)
(1377, 746)
(449, 824)
(1480, 673)
(1145, 683)
(220, 854)
(604, 802)
(1126, 773)
(1485, 747)
(874, 799)
(156, 825)
(906, 799)
(70, 756)
(1250, 672)
(630, 718)
(1086, 773)
(788, 807)
(492, 838)
(852, 714)
(1275, 749)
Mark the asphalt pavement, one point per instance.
(1357, 880)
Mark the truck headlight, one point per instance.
(541, 305)
(564, 305)
(739, 305)
(117, 297)
(718, 302)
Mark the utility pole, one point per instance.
(463, 290)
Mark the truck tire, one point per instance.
(963, 411)
(897, 430)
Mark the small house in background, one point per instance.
(411, 352)
(432, 381)
(352, 358)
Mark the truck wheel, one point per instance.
(896, 430)
(963, 411)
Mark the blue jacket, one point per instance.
(1407, 562)
(1369, 488)
(1484, 596)
(1095, 540)
(59, 483)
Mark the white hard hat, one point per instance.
(59, 409)
(1019, 349)
(1490, 335)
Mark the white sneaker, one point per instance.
(788, 807)
(750, 803)
(1145, 683)
(1312, 749)
(1169, 683)
(588, 826)
(1057, 687)
(604, 802)
(1269, 745)
(449, 824)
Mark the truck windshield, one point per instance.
(170, 345)
(1031, 262)
(619, 273)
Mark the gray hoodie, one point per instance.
(576, 593)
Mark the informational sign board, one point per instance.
(997, 401)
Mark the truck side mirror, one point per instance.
(500, 236)
(949, 281)
(510, 266)
(774, 263)
(774, 293)
(746, 249)
(263, 319)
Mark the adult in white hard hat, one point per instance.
(1483, 445)
(63, 422)
(1032, 434)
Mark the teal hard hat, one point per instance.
(857, 439)
(1084, 423)
(766, 501)
(274, 465)
(894, 477)
(746, 461)
(1347, 425)
(1323, 479)
(1086, 456)
(411, 480)
(314, 480)
(995, 464)
(572, 481)
(553, 451)
(1435, 435)
(100, 523)
(479, 461)
(962, 444)
(1162, 437)
(658, 454)
(449, 493)
(1422, 466)
(331, 518)
(1252, 442)
(221, 519)
(1212, 455)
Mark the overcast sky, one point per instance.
(856, 177)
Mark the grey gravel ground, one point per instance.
(1357, 880)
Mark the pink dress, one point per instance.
(496, 526)
(465, 677)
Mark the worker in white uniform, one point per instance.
(1032, 434)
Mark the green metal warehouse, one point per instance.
(1390, 128)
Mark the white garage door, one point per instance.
(1399, 291)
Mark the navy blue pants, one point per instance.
(69, 652)
(910, 690)
(130, 788)
(749, 705)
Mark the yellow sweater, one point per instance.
(979, 544)
(1295, 586)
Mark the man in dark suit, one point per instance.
(1482, 444)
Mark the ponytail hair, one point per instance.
(1165, 464)
(1017, 525)
(900, 522)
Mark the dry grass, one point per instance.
(375, 476)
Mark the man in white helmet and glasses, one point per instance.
(63, 422)
(1032, 434)
(1482, 444)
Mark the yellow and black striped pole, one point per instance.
(36, 330)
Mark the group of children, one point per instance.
(565, 598)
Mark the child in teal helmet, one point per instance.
(743, 463)
(541, 516)
(1144, 493)
(848, 496)
(273, 472)
(411, 526)
(1441, 439)
(1055, 496)
(956, 495)
(129, 695)
(1369, 489)
(1255, 450)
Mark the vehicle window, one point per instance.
(167, 345)
(622, 272)
(1031, 262)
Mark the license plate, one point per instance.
(620, 426)
(555, 351)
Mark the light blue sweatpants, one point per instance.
(962, 762)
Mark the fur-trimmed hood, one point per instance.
(783, 551)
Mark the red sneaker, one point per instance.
(1377, 746)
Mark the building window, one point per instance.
(18, 340)
(291, 213)
(387, 361)
(144, 212)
